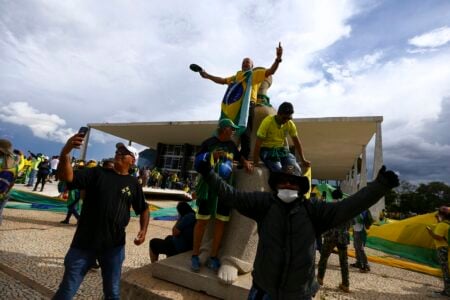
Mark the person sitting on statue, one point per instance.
(253, 79)
(287, 226)
(271, 138)
(222, 151)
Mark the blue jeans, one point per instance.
(32, 177)
(78, 262)
(280, 165)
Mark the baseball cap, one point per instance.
(227, 123)
(130, 149)
(6, 147)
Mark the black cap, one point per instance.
(281, 177)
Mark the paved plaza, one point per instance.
(33, 244)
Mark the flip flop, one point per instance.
(195, 68)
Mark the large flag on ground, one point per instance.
(236, 102)
(407, 238)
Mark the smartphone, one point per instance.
(83, 130)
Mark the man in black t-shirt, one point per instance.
(110, 193)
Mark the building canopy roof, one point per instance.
(331, 144)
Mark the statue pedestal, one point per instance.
(155, 281)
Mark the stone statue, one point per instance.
(240, 239)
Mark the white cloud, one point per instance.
(435, 38)
(78, 62)
(43, 125)
(80, 58)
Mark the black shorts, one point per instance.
(204, 211)
(160, 246)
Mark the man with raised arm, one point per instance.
(242, 95)
(287, 227)
(100, 235)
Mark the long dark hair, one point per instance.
(184, 208)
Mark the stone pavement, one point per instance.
(33, 245)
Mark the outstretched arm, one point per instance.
(333, 214)
(65, 171)
(251, 204)
(216, 79)
(277, 61)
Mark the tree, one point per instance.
(420, 199)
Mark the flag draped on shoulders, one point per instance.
(236, 101)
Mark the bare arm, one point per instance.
(143, 222)
(277, 61)
(216, 79)
(258, 143)
(248, 166)
(299, 148)
(435, 236)
(65, 171)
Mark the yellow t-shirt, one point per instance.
(272, 134)
(441, 229)
(258, 77)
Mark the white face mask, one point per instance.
(287, 196)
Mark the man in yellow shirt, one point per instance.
(270, 145)
(440, 237)
(232, 109)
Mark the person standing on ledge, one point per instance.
(234, 100)
(222, 151)
(110, 193)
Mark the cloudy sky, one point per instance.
(67, 63)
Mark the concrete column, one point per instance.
(377, 163)
(84, 146)
(345, 185)
(363, 176)
(378, 152)
(355, 176)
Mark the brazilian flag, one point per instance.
(236, 101)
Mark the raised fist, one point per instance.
(388, 178)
